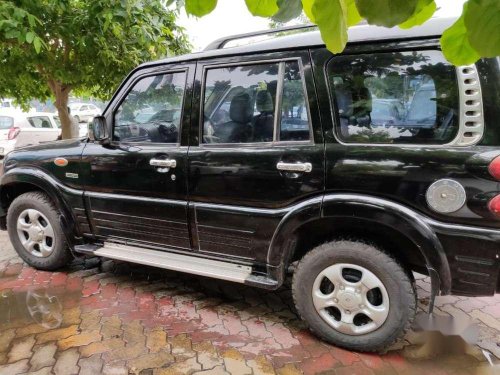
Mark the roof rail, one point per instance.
(220, 43)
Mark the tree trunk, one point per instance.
(61, 93)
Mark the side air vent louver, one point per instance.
(471, 107)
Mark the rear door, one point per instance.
(136, 187)
(257, 151)
(41, 130)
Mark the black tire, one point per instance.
(60, 254)
(398, 283)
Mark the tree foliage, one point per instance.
(474, 35)
(50, 48)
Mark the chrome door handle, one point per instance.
(294, 167)
(163, 163)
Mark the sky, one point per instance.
(232, 17)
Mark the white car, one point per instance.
(84, 112)
(19, 129)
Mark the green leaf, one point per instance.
(387, 13)
(353, 16)
(288, 10)
(30, 36)
(425, 10)
(455, 44)
(200, 8)
(482, 21)
(262, 8)
(307, 6)
(37, 43)
(331, 18)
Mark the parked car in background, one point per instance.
(18, 129)
(83, 127)
(84, 112)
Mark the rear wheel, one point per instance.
(354, 295)
(35, 231)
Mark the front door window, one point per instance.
(151, 111)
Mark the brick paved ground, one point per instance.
(104, 317)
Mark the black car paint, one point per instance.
(230, 202)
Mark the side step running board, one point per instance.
(176, 262)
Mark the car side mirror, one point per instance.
(100, 129)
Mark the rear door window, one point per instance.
(41, 122)
(6, 122)
(245, 104)
(399, 97)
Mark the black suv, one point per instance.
(244, 163)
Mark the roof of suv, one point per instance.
(357, 34)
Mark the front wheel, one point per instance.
(35, 231)
(354, 296)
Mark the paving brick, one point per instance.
(42, 371)
(21, 349)
(15, 368)
(90, 366)
(151, 361)
(235, 363)
(486, 319)
(289, 369)
(134, 333)
(184, 367)
(66, 363)
(110, 369)
(261, 366)
(57, 334)
(181, 344)
(82, 339)
(125, 318)
(125, 353)
(90, 321)
(43, 356)
(6, 338)
(31, 329)
(357, 369)
(102, 347)
(71, 316)
(217, 370)
(156, 340)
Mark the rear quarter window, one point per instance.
(394, 98)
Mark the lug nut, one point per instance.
(335, 300)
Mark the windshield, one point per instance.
(6, 122)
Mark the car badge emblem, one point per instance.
(61, 162)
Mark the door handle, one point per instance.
(163, 163)
(294, 167)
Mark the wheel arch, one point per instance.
(406, 233)
(22, 180)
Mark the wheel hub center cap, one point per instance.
(36, 234)
(349, 300)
